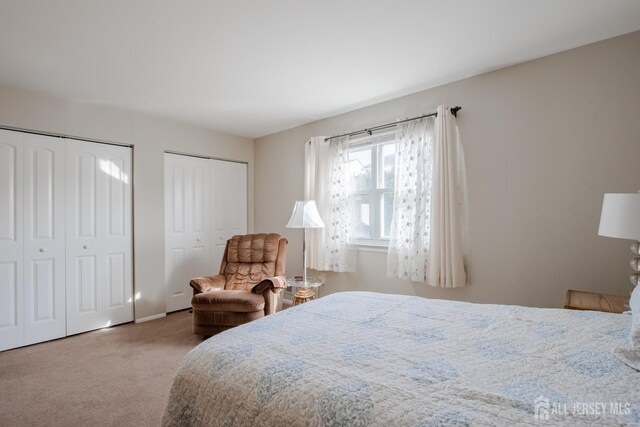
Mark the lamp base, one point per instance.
(635, 264)
(303, 295)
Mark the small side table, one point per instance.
(305, 290)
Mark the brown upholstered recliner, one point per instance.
(249, 286)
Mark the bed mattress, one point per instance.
(368, 359)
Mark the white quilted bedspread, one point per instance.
(359, 359)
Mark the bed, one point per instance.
(359, 359)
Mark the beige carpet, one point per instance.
(112, 377)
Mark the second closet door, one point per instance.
(99, 242)
(187, 236)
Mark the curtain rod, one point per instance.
(454, 111)
(62, 136)
(198, 156)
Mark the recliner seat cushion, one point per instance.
(244, 276)
(229, 301)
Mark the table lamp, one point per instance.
(305, 215)
(621, 218)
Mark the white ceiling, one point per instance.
(254, 67)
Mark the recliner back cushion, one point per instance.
(250, 258)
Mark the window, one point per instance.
(372, 172)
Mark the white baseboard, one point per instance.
(287, 301)
(154, 317)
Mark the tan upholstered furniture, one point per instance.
(249, 286)
(582, 300)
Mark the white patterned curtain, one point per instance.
(409, 242)
(449, 217)
(429, 229)
(327, 182)
(316, 184)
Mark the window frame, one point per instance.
(376, 193)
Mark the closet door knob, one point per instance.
(85, 247)
(198, 239)
(42, 250)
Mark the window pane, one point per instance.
(386, 207)
(361, 214)
(388, 163)
(360, 169)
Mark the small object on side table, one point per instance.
(582, 300)
(305, 289)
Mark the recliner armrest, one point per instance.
(206, 284)
(273, 283)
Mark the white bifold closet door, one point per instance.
(99, 242)
(65, 237)
(32, 276)
(205, 204)
(187, 232)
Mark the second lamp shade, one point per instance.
(305, 215)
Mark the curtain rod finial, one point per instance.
(454, 111)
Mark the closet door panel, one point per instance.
(237, 192)
(9, 296)
(198, 219)
(177, 197)
(116, 238)
(41, 192)
(176, 236)
(44, 246)
(11, 302)
(10, 165)
(219, 217)
(177, 276)
(187, 239)
(228, 203)
(43, 290)
(199, 196)
(116, 203)
(116, 279)
(84, 212)
(86, 277)
(11, 240)
(85, 207)
(99, 286)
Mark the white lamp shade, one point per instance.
(305, 215)
(620, 216)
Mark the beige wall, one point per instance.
(544, 140)
(150, 138)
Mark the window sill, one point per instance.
(371, 248)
